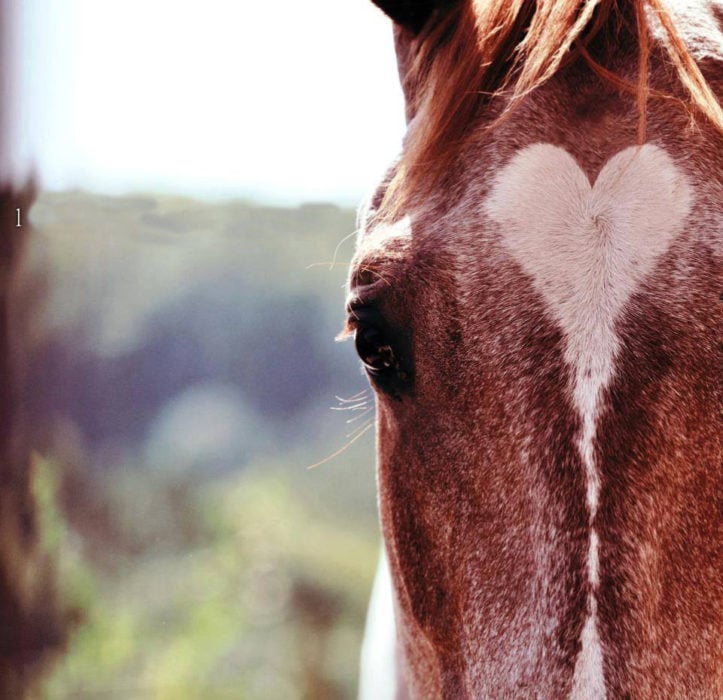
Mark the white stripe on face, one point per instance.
(587, 249)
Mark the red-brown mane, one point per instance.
(481, 49)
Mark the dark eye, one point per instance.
(381, 353)
(375, 351)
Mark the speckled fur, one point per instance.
(482, 487)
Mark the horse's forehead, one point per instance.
(588, 243)
(382, 255)
(629, 196)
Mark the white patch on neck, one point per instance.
(378, 674)
(588, 248)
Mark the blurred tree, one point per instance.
(32, 624)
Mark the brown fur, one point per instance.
(482, 490)
(471, 52)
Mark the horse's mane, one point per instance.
(474, 50)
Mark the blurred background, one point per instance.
(198, 169)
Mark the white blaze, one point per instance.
(587, 248)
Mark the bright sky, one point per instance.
(287, 100)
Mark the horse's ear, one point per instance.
(410, 18)
(409, 14)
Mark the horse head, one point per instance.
(535, 298)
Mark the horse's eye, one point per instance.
(375, 351)
(380, 351)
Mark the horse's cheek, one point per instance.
(411, 503)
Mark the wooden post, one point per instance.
(31, 624)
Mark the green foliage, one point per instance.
(76, 581)
(191, 580)
(269, 603)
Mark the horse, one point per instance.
(535, 297)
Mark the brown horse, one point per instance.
(536, 299)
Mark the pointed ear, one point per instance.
(412, 19)
(410, 14)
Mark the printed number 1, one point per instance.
(18, 224)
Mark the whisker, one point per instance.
(330, 263)
(340, 243)
(352, 399)
(379, 275)
(342, 449)
(361, 415)
(360, 428)
(355, 407)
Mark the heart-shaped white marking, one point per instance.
(587, 248)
